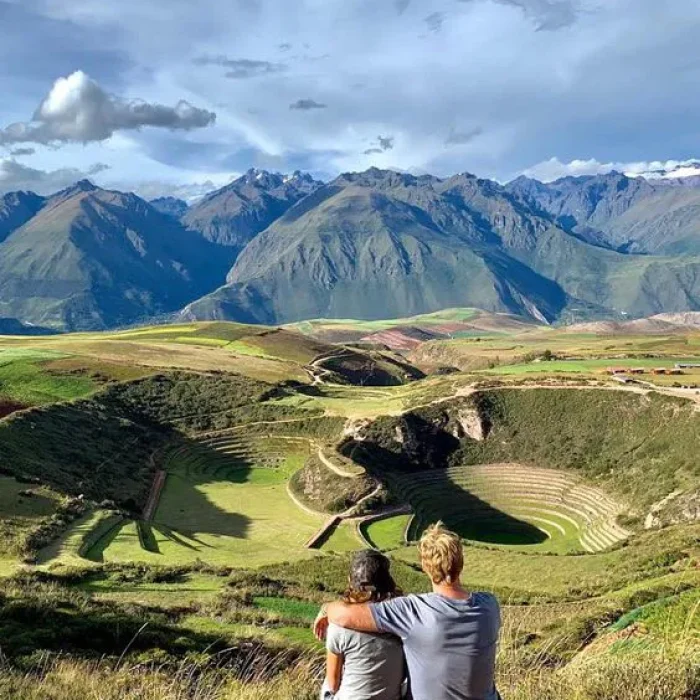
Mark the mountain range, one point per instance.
(378, 244)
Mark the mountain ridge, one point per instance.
(276, 249)
(505, 256)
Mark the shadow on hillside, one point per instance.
(474, 518)
(185, 512)
(425, 447)
(54, 620)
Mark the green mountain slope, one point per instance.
(383, 244)
(628, 214)
(93, 258)
(236, 213)
(360, 251)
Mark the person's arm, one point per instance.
(351, 616)
(334, 671)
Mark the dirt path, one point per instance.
(333, 521)
(333, 467)
(151, 506)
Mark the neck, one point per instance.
(451, 590)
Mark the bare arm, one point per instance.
(334, 671)
(353, 616)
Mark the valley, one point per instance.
(205, 483)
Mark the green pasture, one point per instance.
(227, 509)
(435, 318)
(25, 379)
(301, 610)
(595, 366)
(387, 533)
(342, 539)
(242, 347)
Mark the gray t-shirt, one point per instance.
(373, 664)
(450, 645)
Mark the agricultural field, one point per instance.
(210, 481)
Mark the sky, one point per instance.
(174, 97)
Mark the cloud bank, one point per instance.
(554, 169)
(78, 110)
(15, 176)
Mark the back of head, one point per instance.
(441, 554)
(370, 578)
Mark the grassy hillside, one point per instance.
(594, 607)
(644, 454)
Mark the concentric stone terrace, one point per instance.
(514, 504)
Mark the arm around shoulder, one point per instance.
(352, 616)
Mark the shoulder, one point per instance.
(485, 598)
(336, 638)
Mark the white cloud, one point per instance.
(78, 110)
(572, 89)
(554, 169)
(189, 192)
(17, 176)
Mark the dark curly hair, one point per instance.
(370, 579)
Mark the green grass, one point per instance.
(387, 533)
(287, 608)
(243, 347)
(224, 510)
(278, 634)
(590, 366)
(573, 577)
(196, 340)
(437, 317)
(22, 508)
(343, 539)
(25, 379)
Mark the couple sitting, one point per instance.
(448, 637)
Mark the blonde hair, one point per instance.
(441, 554)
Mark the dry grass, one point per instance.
(651, 676)
(68, 680)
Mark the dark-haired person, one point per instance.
(449, 636)
(364, 665)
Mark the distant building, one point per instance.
(676, 371)
(687, 365)
(659, 370)
(637, 370)
(616, 370)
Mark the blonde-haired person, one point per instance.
(449, 635)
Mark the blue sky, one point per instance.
(175, 96)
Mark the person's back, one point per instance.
(373, 664)
(450, 644)
(449, 635)
(365, 665)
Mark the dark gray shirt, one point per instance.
(450, 645)
(373, 665)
